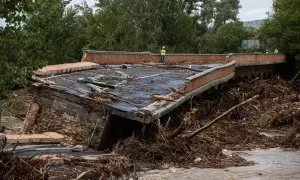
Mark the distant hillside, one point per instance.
(254, 24)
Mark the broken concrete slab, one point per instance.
(74, 102)
(133, 94)
(65, 68)
(72, 99)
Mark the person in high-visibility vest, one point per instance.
(163, 53)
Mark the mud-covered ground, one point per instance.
(276, 110)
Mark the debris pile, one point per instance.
(239, 130)
(101, 167)
(272, 105)
(14, 167)
(41, 156)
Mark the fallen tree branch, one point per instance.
(95, 128)
(36, 170)
(221, 116)
(295, 77)
(82, 174)
(177, 131)
(190, 116)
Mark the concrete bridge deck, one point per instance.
(133, 91)
(79, 99)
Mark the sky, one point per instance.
(251, 9)
(255, 9)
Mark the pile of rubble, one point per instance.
(271, 119)
(42, 156)
(244, 128)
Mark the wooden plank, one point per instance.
(49, 137)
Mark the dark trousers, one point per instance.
(162, 58)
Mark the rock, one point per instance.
(165, 166)
(227, 153)
(197, 160)
(172, 170)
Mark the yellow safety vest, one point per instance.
(163, 52)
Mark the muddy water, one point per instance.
(269, 164)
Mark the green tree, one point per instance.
(202, 12)
(54, 33)
(36, 33)
(207, 42)
(283, 26)
(229, 37)
(226, 39)
(218, 28)
(143, 25)
(15, 66)
(226, 10)
(14, 11)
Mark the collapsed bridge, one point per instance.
(85, 100)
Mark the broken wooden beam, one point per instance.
(30, 118)
(48, 137)
(157, 97)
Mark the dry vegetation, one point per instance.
(277, 109)
(14, 167)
